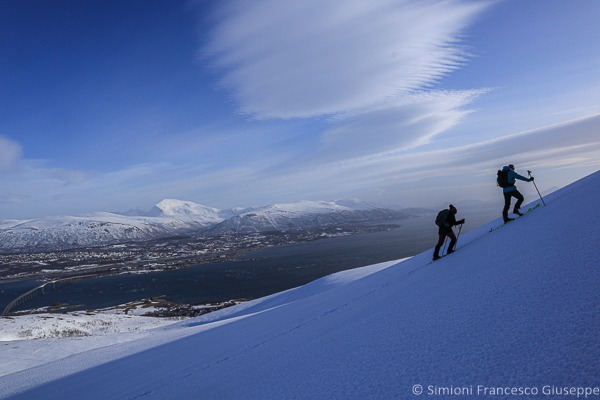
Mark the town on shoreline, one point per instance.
(160, 254)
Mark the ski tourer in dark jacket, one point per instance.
(445, 220)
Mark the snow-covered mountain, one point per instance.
(516, 309)
(74, 231)
(176, 217)
(171, 208)
(66, 232)
(305, 215)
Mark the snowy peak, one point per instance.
(185, 209)
(357, 204)
(304, 214)
(53, 233)
(314, 207)
(302, 207)
(172, 217)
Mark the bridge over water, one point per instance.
(35, 292)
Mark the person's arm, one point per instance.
(520, 177)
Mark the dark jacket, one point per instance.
(449, 223)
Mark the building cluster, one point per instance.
(163, 254)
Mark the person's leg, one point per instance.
(452, 242)
(517, 195)
(438, 246)
(507, 196)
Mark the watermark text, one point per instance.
(577, 392)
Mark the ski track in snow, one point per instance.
(515, 307)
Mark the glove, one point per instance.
(531, 179)
(462, 221)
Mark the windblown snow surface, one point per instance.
(515, 308)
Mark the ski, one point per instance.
(532, 208)
(519, 216)
(440, 257)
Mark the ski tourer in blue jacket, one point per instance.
(511, 191)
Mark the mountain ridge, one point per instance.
(172, 217)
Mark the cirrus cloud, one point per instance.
(406, 122)
(312, 58)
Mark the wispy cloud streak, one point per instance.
(573, 144)
(400, 124)
(312, 58)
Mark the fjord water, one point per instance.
(252, 275)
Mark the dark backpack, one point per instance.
(440, 220)
(502, 178)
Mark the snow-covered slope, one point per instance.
(517, 307)
(32, 340)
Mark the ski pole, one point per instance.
(444, 248)
(536, 188)
(457, 236)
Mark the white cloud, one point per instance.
(369, 67)
(404, 123)
(310, 58)
(411, 177)
(417, 176)
(11, 200)
(10, 154)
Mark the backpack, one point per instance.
(440, 220)
(502, 178)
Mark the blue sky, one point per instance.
(113, 105)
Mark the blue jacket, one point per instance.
(512, 178)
